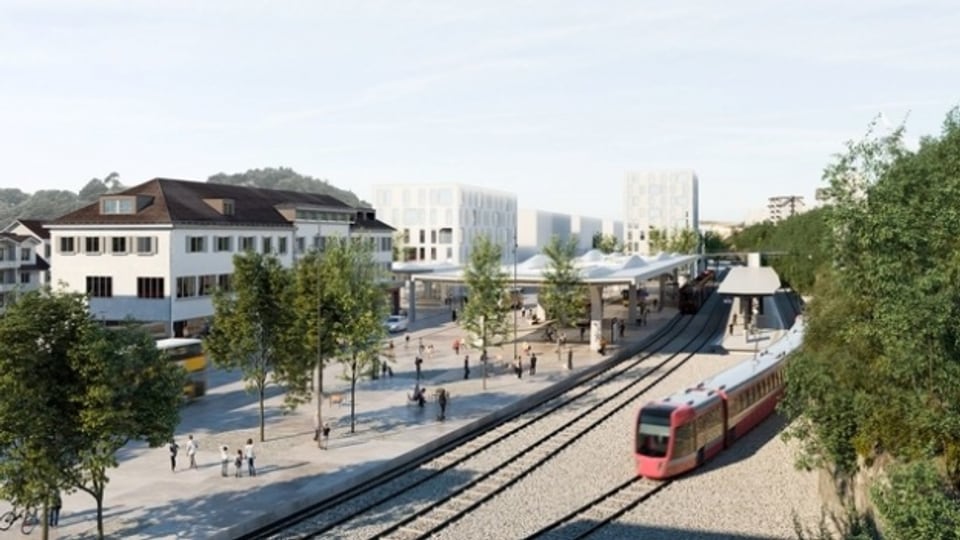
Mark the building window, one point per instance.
(146, 245)
(433, 254)
(149, 287)
(282, 245)
(25, 278)
(229, 208)
(196, 244)
(208, 284)
(247, 243)
(118, 244)
(25, 254)
(186, 286)
(67, 244)
(224, 282)
(449, 254)
(223, 243)
(100, 286)
(445, 236)
(116, 206)
(91, 245)
(301, 244)
(267, 244)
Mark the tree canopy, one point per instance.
(286, 179)
(879, 370)
(673, 241)
(485, 313)
(72, 394)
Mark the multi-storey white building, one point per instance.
(439, 222)
(535, 228)
(21, 266)
(782, 207)
(158, 251)
(585, 228)
(664, 200)
(34, 228)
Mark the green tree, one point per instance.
(914, 502)
(287, 179)
(675, 241)
(608, 244)
(714, 243)
(254, 329)
(89, 392)
(596, 240)
(563, 291)
(878, 371)
(485, 313)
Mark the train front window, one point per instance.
(653, 432)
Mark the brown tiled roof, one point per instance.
(371, 225)
(36, 227)
(181, 201)
(18, 238)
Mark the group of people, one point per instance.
(243, 455)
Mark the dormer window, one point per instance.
(225, 207)
(228, 207)
(117, 205)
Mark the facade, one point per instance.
(585, 228)
(21, 267)
(780, 208)
(665, 200)
(535, 228)
(438, 222)
(613, 227)
(157, 252)
(35, 228)
(723, 229)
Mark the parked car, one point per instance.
(396, 323)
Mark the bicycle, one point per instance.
(27, 524)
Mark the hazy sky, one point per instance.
(552, 100)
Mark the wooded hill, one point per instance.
(50, 204)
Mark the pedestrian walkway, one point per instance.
(145, 499)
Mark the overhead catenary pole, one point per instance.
(516, 357)
(483, 349)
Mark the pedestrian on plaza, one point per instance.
(421, 397)
(622, 329)
(456, 346)
(192, 451)
(518, 368)
(174, 448)
(55, 504)
(422, 346)
(383, 369)
(466, 366)
(442, 402)
(238, 463)
(326, 435)
(533, 364)
(248, 453)
(453, 315)
(603, 346)
(406, 341)
(224, 460)
(418, 362)
(583, 330)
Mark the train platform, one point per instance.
(145, 499)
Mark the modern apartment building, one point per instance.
(535, 228)
(438, 222)
(34, 228)
(782, 207)
(666, 200)
(157, 252)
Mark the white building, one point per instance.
(34, 228)
(664, 200)
(21, 266)
(585, 228)
(438, 222)
(157, 252)
(782, 207)
(535, 228)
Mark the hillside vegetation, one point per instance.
(51, 204)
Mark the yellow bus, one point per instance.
(188, 353)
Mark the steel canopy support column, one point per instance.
(662, 292)
(632, 303)
(596, 316)
(411, 300)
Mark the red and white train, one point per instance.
(680, 432)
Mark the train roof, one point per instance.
(708, 390)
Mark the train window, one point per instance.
(653, 432)
(685, 441)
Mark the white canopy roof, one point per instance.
(594, 266)
(753, 281)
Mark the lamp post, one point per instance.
(514, 306)
(318, 386)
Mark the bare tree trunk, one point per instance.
(98, 495)
(261, 390)
(353, 394)
(319, 390)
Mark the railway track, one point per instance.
(454, 471)
(601, 510)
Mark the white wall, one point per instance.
(666, 200)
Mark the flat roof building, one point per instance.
(666, 200)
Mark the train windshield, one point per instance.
(653, 433)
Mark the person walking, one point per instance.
(326, 435)
(174, 448)
(224, 460)
(466, 366)
(533, 364)
(248, 453)
(192, 451)
(518, 368)
(418, 361)
(55, 504)
(238, 463)
(442, 401)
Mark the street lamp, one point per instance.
(515, 337)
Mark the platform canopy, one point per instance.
(750, 281)
(595, 268)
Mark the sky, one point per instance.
(552, 100)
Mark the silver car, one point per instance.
(396, 323)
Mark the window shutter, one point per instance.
(153, 245)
